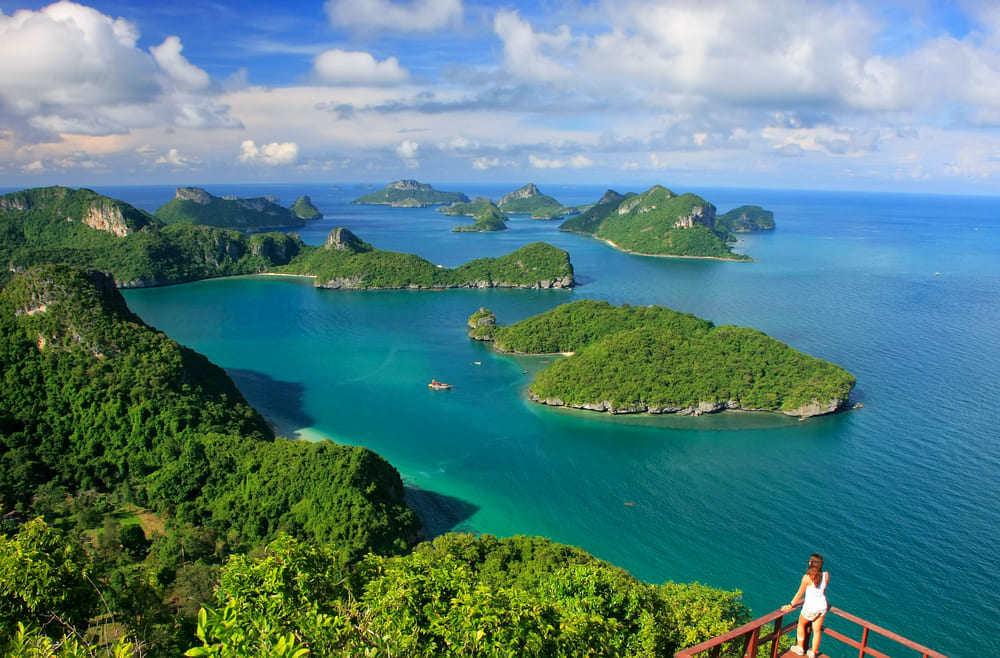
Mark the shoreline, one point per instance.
(639, 253)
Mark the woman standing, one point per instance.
(813, 587)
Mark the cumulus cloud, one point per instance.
(69, 69)
(574, 162)
(340, 67)
(174, 158)
(485, 163)
(415, 16)
(532, 55)
(273, 154)
(407, 150)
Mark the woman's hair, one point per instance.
(815, 567)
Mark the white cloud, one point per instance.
(407, 150)
(178, 70)
(341, 67)
(415, 16)
(68, 69)
(174, 158)
(574, 162)
(485, 163)
(531, 55)
(275, 153)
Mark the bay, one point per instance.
(902, 496)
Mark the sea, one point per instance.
(900, 494)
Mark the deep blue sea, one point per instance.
(902, 496)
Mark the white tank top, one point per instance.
(816, 596)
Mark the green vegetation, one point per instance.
(84, 229)
(488, 217)
(410, 193)
(347, 262)
(529, 200)
(196, 206)
(656, 222)
(636, 359)
(743, 219)
(304, 208)
(457, 596)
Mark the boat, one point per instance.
(438, 386)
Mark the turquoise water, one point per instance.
(902, 496)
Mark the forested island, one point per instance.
(147, 510)
(410, 194)
(655, 360)
(197, 206)
(487, 216)
(530, 200)
(661, 223)
(348, 263)
(85, 229)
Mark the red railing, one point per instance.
(751, 638)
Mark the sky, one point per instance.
(895, 96)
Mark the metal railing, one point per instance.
(754, 641)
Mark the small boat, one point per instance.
(438, 386)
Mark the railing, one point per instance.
(753, 637)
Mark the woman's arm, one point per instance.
(798, 594)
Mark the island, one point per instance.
(626, 360)
(345, 262)
(658, 223)
(410, 194)
(304, 208)
(197, 206)
(85, 229)
(487, 216)
(530, 200)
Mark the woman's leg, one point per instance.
(817, 631)
(800, 632)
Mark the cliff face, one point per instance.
(104, 215)
(195, 194)
(525, 192)
(699, 215)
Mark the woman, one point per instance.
(813, 587)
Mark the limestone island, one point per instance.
(530, 200)
(346, 262)
(626, 360)
(197, 206)
(487, 216)
(410, 194)
(81, 228)
(661, 223)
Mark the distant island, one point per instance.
(85, 229)
(346, 262)
(661, 223)
(655, 360)
(530, 200)
(410, 194)
(197, 206)
(487, 216)
(744, 220)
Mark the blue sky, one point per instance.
(896, 96)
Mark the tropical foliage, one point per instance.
(529, 200)
(656, 222)
(488, 217)
(243, 214)
(410, 192)
(355, 264)
(654, 359)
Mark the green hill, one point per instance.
(84, 229)
(304, 208)
(410, 194)
(346, 262)
(195, 205)
(487, 216)
(529, 200)
(656, 222)
(744, 219)
(655, 360)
